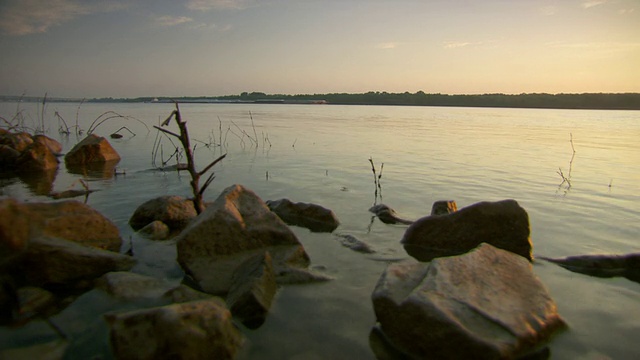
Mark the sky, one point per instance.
(133, 48)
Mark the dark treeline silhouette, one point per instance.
(607, 101)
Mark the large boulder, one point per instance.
(254, 286)
(486, 304)
(14, 230)
(235, 227)
(18, 141)
(503, 224)
(51, 144)
(605, 266)
(92, 149)
(36, 157)
(51, 261)
(74, 221)
(311, 216)
(8, 157)
(174, 211)
(192, 330)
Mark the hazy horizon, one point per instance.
(128, 49)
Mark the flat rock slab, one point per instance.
(602, 265)
(486, 304)
(503, 224)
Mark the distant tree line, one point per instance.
(623, 101)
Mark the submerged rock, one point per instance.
(387, 215)
(36, 157)
(486, 304)
(193, 330)
(238, 225)
(604, 266)
(503, 224)
(354, 244)
(311, 216)
(444, 207)
(92, 149)
(174, 211)
(156, 230)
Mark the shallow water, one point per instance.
(320, 154)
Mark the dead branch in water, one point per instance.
(376, 181)
(566, 179)
(191, 168)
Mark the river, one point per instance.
(320, 154)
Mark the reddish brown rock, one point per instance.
(93, 149)
(37, 157)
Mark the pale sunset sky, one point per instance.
(131, 48)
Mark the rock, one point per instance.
(193, 330)
(387, 215)
(444, 207)
(54, 146)
(16, 141)
(58, 262)
(503, 224)
(35, 302)
(39, 182)
(71, 193)
(36, 157)
(311, 216)
(602, 265)
(75, 221)
(486, 304)
(174, 211)
(8, 157)
(252, 291)
(130, 286)
(14, 230)
(156, 230)
(92, 149)
(354, 244)
(296, 275)
(183, 293)
(235, 227)
(53, 350)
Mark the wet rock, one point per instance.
(36, 158)
(71, 193)
(92, 149)
(156, 230)
(294, 275)
(130, 286)
(444, 207)
(387, 215)
(8, 157)
(193, 330)
(183, 293)
(486, 304)
(53, 350)
(34, 302)
(311, 216)
(75, 221)
(57, 262)
(235, 227)
(354, 244)
(17, 141)
(54, 146)
(14, 230)
(174, 211)
(254, 286)
(503, 224)
(602, 265)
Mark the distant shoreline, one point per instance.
(586, 101)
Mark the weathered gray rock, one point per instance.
(74, 221)
(354, 244)
(311, 216)
(503, 224)
(183, 293)
(174, 211)
(254, 286)
(193, 330)
(602, 265)
(486, 304)
(130, 286)
(36, 157)
(387, 215)
(156, 230)
(52, 261)
(234, 228)
(92, 149)
(444, 207)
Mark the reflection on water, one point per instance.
(320, 154)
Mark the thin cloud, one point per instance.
(172, 20)
(387, 45)
(455, 44)
(626, 11)
(203, 5)
(549, 10)
(592, 3)
(24, 17)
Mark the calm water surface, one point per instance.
(320, 154)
